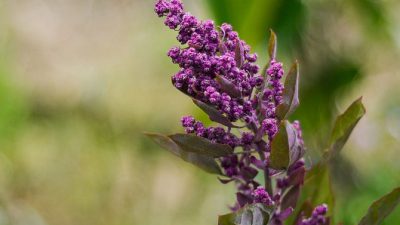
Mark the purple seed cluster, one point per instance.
(260, 195)
(209, 51)
(214, 134)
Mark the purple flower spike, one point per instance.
(219, 72)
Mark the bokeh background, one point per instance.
(80, 80)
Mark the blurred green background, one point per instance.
(80, 80)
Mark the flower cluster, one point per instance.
(209, 52)
(260, 195)
(275, 72)
(218, 70)
(214, 134)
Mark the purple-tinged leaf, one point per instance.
(272, 45)
(201, 146)
(214, 114)
(239, 54)
(305, 210)
(225, 181)
(165, 142)
(255, 214)
(281, 146)
(248, 173)
(297, 176)
(290, 93)
(258, 163)
(318, 187)
(205, 163)
(243, 199)
(291, 197)
(247, 218)
(297, 151)
(228, 87)
(381, 208)
(272, 50)
(260, 216)
(343, 127)
(222, 47)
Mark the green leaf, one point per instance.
(228, 87)
(214, 114)
(290, 93)
(205, 163)
(272, 45)
(381, 208)
(199, 145)
(281, 146)
(343, 127)
(255, 214)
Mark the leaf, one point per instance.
(248, 173)
(165, 142)
(228, 87)
(297, 151)
(343, 127)
(272, 45)
(206, 163)
(199, 145)
(214, 114)
(317, 187)
(291, 197)
(304, 210)
(279, 158)
(243, 199)
(272, 50)
(290, 93)
(281, 146)
(239, 54)
(296, 177)
(381, 208)
(221, 45)
(255, 214)
(225, 181)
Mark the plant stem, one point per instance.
(267, 178)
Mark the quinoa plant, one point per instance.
(254, 136)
